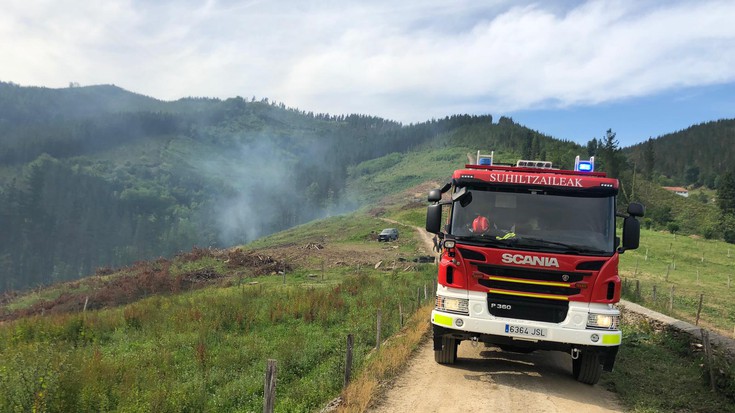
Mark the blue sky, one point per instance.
(570, 69)
(636, 119)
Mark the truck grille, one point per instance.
(527, 308)
(529, 294)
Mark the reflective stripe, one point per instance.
(443, 320)
(611, 339)
(514, 280)
(548, 296)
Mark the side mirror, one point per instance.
(434, 218)
(635, 209)
(435, 195)
(631, 233)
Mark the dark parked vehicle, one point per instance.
(388, 234)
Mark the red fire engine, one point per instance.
(530, 261)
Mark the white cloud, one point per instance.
(402, 60)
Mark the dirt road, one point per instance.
(488, 379)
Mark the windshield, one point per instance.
(536, 221)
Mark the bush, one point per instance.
(673, 227)
(709, 232)
(728, 228)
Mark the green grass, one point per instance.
(683, 257)
(351, 229)
(373, 179)
(204, 350)
(341, 229)
(657, 372)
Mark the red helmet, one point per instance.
(480, 224)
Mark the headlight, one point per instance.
(452, 305)
(449, 244)
(603, 321)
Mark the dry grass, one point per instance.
(386, 363)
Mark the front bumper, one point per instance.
(469, 326)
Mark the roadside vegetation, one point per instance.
(205, 349)
(658, 372)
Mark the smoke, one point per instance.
(259, 186)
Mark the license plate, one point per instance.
(525, 331)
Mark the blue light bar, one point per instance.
(485, 159)
(585, 166)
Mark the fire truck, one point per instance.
(529, 261)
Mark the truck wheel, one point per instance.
(448, 353)
(587, 368)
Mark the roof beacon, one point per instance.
(534, 164)
(584, 166)
(486, 160)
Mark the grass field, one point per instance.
(692, 266)
(206, 349)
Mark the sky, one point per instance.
(569, 69)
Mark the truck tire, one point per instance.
(587, 367)
(448, 353)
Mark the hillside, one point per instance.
(696, 155)
(95, 177)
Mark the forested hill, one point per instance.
(696, 155)
(92, 177)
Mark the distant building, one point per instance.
(678, 190)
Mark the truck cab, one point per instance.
(529, 261)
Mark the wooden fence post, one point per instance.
(400, 315)
(86, 301)
(708, 353)
(348, 359)
(638, 289)
(426, 293)
(654, 293)
(377, 339)
(671, 300)
(699, 309)
(269, 389)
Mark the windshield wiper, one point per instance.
(566, 246)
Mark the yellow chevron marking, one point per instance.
(548, 283)
(519, 294)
